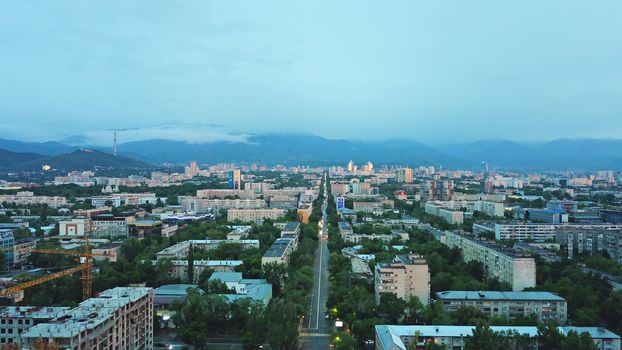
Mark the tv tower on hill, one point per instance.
(114, 144)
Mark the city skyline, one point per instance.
(434, 72)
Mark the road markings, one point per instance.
(310, 335)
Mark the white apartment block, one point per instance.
(499, 262)
(203, 205)
(180, 268)
(254, 215)
(369, 207)
(28, 198)
(487, 197)
(121, 199)
(119, 318)
(452, 217)
(511, 305)
(406, 276)
(543, 232)
(180, 250)
(225, 193)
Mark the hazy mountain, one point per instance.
(9, 159)
(83, 160)
(289, 149)
(556, 154)
(45, 148)
(309, 149)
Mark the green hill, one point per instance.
(84, 160)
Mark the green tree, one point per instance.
(282, 321)
(391, 306)
(483, 338)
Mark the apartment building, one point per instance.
(518, 270)
(15, 320)
(119, 318)
(226, 193)
(437, 190)
(542, 232)
(339, 187)
(304, 212)
(23, 248)
(284, 202)
(205, 205)
(404, 175)
(546, 306)
(7, 245)
(370, 207)
(180, 268)
(406, 276)
(452, 217)
(279, 252)
(29, 198)
(254, 215)
(108, 225)
(180, 250)
(390, 337)
(121, 199)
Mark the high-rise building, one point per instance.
(192, 170)
(404, 175)
(438, 190)
(406, 276)
(235, 179)
(350, 166)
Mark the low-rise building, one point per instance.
(453, 337)
(406, 276)
(546, 306)
(258, 290)
(76, 227)
(279, 252)
(179, 268)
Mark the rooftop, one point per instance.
(390, 337)
(278, 247)
(494, 295)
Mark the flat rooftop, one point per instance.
(278, 247)
(494, 295)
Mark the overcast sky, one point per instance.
(435, 71)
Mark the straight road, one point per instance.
(316, 329)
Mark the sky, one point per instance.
(433, 71)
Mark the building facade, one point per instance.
(518, 270)
(406, 276)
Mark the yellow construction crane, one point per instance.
(16, 292)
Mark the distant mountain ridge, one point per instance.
(562, 154)
(76, 160)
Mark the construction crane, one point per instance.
(16, 292)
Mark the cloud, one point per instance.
(189, 132)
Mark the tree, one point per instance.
(191, 264)
(483, 338)
(274, 273)
(391, 306)
(549, 336)
(282, 321)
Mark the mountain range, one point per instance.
(562, 154)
